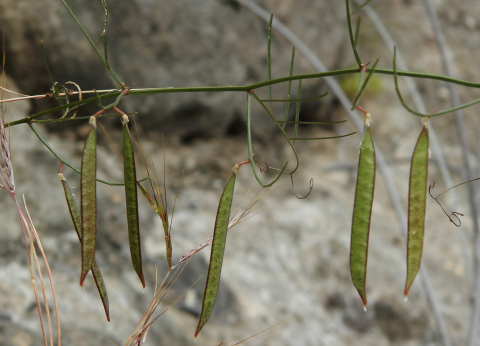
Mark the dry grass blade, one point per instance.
(159, 200)
(140, 333)
(250, 338)
(31, 239)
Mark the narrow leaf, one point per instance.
(269, 56)
(362, 212)
(77, 223)
(353, 41)
(363, 84)
(132, 201)
(297, 112)
(416, 207)
(287, 104)
(360, 7)
(89, 200)
(218, 249)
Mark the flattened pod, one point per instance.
(77, 223)
(362, 212)
(218, 249)
(417, 199)
(132, 201)
(89, 199)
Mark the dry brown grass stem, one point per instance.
(30, 236)
(36, 97)
(141, 329)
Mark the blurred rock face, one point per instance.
(291, 260)
(155, 44)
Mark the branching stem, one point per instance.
(171, 90)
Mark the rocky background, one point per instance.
(290, 261)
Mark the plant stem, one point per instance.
(246, 88)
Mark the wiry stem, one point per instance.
(249, 87)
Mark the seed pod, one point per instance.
(416, 206)
(89, 199)
(132, 201)
(362, 212)
(218, 249)
(77, 223)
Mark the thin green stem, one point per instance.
(297, 112)
(319, 138)
(364, 85)
(288, 100)
(45, 62)
(311, 122)
(113, 104)
(46, 121)
(287, 105)
(281, 130)
(250, 148)
(94, 46)
(360, 7)
(357, 31)
(411, 110)
(269, 56)
(171, 90)
(105, 21)
(352, 36)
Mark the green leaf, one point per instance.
(77, 223)
(89, 200)
(132, 201)
(218, 249)
(362, 212)
(416, 207)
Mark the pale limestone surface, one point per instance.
(290, 260)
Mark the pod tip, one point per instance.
(82, 278)
(364, 301)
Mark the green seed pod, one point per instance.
(362, 212)
(416, 206)
(218, 249)
(77, 223)
(89, 199)
(132, 201)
